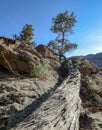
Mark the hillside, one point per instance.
(37, 92)
(95, 58)
(90, 93)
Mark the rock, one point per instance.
(96, 120)
(91, 81)
(17, 93)
(18, 57)
(90, 90)
(57, 110)
(45, 51)
(33, 103)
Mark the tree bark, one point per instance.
(61, 109)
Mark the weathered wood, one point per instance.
(60, 111)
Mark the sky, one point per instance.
(14, 14)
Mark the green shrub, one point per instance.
(84, 66)
(81, 62)
(41, 70)
(100, 125)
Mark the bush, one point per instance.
(41, 70)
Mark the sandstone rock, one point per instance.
(17, 57)
(27, 105)
(45, 51)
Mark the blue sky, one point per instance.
(14, 14)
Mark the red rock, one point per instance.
(45, 51)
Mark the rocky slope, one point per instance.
(16, 94)
(95, 58)
(59, 109)
(90, 93)
(18, 57)
(37, 92)
(49, 102)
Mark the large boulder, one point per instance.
(18, 57)
(45, 51)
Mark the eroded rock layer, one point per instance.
(18, 57)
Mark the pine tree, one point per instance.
(26, 35)
(62, 26)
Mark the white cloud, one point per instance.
(94, 42)
(89, 44)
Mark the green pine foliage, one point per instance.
(63, 25)
(26, 35)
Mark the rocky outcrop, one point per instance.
(53, 102)
(91, 80)
(18, 57)
(45, 51)
(57, 110)
(16, 94)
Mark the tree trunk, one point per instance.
(61, 109)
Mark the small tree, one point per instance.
(26, 35)
(62, 25)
